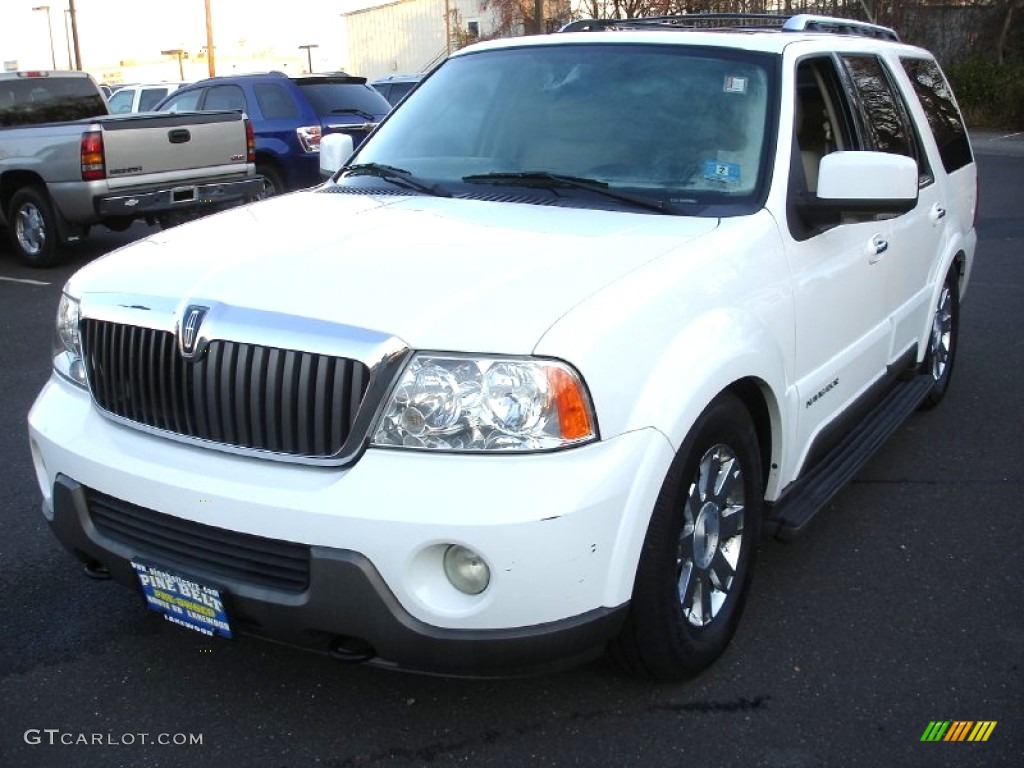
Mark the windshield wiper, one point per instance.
(397, 176)
(555, 180)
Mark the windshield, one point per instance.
(682, 126)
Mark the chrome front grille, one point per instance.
(243, 395)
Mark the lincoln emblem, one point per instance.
(189, 332)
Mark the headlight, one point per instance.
(486, 404)
(67, 345)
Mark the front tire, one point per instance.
(697, 559)
(943, 339)
(33, 228)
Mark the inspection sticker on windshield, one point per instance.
(728, 173)
(182, 601)
(735, 84)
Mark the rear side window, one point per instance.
(940, 107)
(183, 102)
(880, 113)
(883, 113)
(150, 97)
(345, 99)
(275, 102)
(225, 97)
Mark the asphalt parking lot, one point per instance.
(901, 605)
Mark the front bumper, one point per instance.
(561, 532)
(348, 611)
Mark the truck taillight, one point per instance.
(94, 167)
(309, 137)
(250, 142)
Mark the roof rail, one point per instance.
(741, 22)
(806, 22)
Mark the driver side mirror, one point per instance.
(861, 185)
(335, 150)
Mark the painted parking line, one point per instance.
(24, 280)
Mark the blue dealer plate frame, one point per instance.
(183, 601)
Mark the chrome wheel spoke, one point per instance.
(721, 572)
(705, 600)
(686, 585)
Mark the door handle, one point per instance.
(876, 248)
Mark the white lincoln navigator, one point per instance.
(528, 377)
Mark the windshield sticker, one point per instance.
(728, 173)
(735, 84)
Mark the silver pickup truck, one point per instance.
(66, 164)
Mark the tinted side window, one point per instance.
(274, 101)
(880, 114)
(150, 97)
(943, 115)
(225, 97)
(183, 102)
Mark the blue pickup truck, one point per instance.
(289, 115)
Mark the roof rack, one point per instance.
(745, 22)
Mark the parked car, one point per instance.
(529, 377)
(289, 115)
(140, 98)
(66, 164)
(394, 88)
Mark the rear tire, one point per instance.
(273, 184)
(943, 339)
(33, 227)
(698, 557)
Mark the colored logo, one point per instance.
(958, 730)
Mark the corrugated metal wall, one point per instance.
(405, 36)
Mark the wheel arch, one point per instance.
(11, 182)
(766, 416)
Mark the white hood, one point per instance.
(438, 273)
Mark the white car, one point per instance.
(528, 379)
(140, 98)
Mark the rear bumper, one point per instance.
(348, 611)
(184, 197)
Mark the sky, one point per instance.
(111, 30)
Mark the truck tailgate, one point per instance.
(172, 146)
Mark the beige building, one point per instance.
(411, 35)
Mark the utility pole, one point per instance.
(309, 54)
(67, 36)
(176, 52)
(74, 33)
(209, 41)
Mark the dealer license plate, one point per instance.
(183, 601)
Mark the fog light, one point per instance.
(466, 570)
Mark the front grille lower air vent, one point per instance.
(228, 554)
